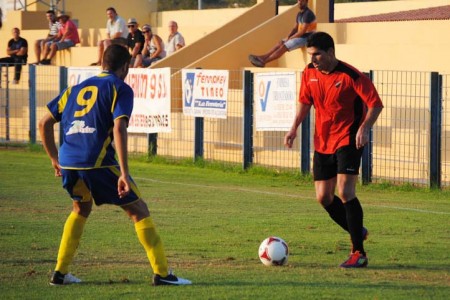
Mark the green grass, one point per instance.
(212, 221)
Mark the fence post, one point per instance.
(152, 139)
(366, 159)
(248, 120)
(62, 87)
(435, 129)
(331, 11)
(32, 102)
(199, 138)
(305, 145)
(7, 108)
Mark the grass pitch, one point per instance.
(212, 222)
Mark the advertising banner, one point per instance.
(205, 93)
(274, 101)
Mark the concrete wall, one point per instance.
(358, 9)
(223, 38)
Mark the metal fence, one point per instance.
(410, 141)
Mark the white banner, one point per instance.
(274, 101)
(76, 75)
(151, 111)
(205, 93)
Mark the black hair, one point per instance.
(115, 57)
(50, 12)
(112, 9)
(320, 40)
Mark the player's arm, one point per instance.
(302, 111)
(120, 143)
(48, 140)
(368, 93)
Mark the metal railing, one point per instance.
(410, 141)
(56, 5)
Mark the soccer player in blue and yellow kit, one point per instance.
(346, 106)
(93, 114)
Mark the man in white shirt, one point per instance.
(116, 33)
(175, 41)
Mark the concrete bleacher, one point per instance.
(391, 45)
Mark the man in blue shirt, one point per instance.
(93, 114)
(18, 53)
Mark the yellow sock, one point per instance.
(152, 243)
(73, 229)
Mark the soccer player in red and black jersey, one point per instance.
(346, 106)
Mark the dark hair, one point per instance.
(112, 9)
(320, 40)
(115, 57)
(50, 12)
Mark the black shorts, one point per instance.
(346, 160)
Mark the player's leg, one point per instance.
(346, 190)
(349, 159)
(151, 241)
(73, 228)
(325, 179)
(147, 235)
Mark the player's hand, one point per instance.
(123, 186)
(362, 137)
(289, 138)
(57, 167)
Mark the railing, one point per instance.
(56, 5)
(410, 141)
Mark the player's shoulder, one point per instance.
(348, 70)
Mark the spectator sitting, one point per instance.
(54, 27)
(153, 47)
(135, 43)
(116, 33)
(305, 25)
(67, 37)
(18, 53)
(175, 41)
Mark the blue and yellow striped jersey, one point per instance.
(87, 112)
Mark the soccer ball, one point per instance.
(273, 251)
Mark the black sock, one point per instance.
(355, 223)
(337, 212)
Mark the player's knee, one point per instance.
(346, 196)
(82, 208)
(324, 199)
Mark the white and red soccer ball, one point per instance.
(273, 251)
